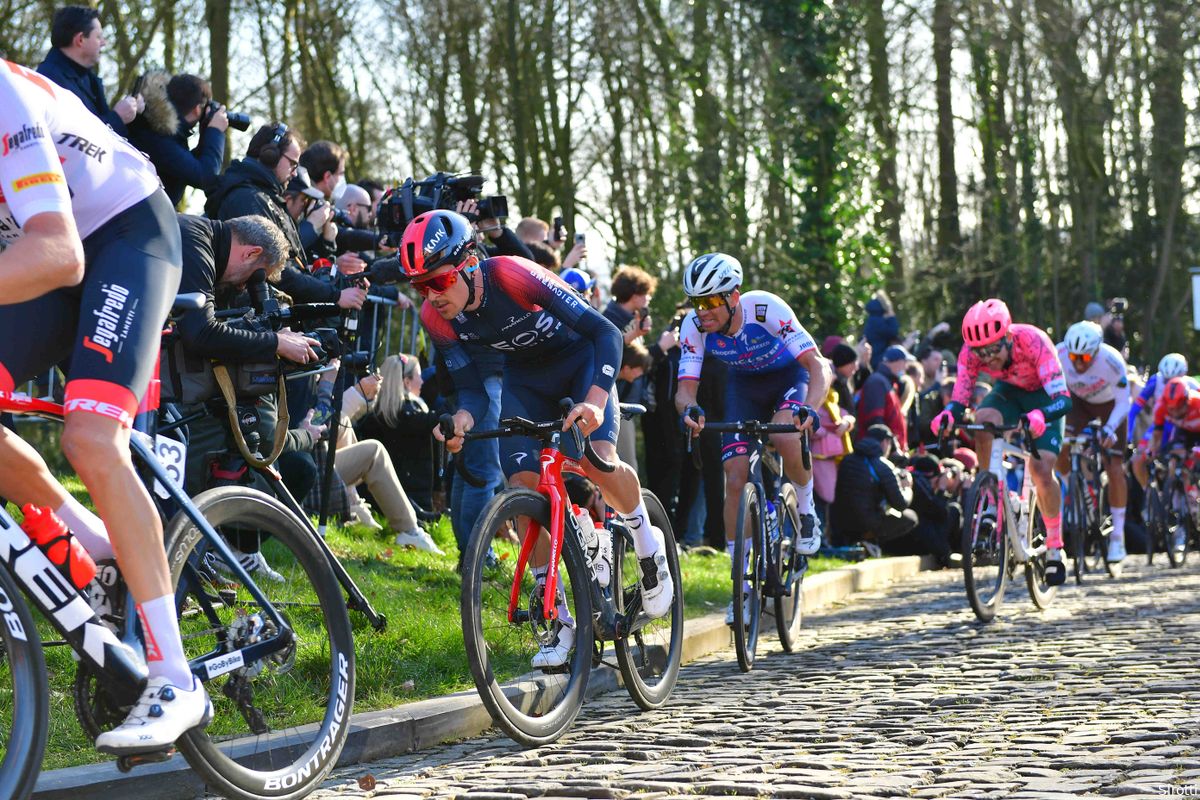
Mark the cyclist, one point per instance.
(1030, 386)
(555, 345)
(775, 371)
(91, 265)
(1172, 365)
(1180, 406)
(1097, 378)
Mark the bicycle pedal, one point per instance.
(126, 763)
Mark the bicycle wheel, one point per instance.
(984, 548)
(1174, 535)
(24, 694)
(650, 655)
(532, 705)
(789, 604)
(1040, 592)
(1075, 524)
(1155, 522)
(281, 721)
(747, 574)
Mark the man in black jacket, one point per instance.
(872, 496)
(173, 108)
(254, 186)
(76, 39)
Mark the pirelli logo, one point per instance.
(38, 179)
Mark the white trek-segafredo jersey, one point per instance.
(55, 155)
(1105, 380)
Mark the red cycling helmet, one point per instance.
(433, 240)
(1176, 394)
(985, 322)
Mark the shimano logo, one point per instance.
(12, 142)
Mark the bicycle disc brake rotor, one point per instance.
(542, 628)
(248, 629)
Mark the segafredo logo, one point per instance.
(108, 329)
(12, 142)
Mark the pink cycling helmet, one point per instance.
(985, 322)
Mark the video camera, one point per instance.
(441, 190)
(236, 120)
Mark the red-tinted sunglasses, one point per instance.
(438, 284)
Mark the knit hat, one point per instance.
(843, 354)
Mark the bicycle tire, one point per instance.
(1171, 520)
(791, 566)
(984, 547)
(1075, 524)
(1040, 592)
(544, 707)
(320, 665)
(1154, 522)
(24, 695)
(649, 679)
(747, 571)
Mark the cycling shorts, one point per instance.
(1082, 412)
(533, 391)
(106, 332)
(758, 395)
(1012, 402)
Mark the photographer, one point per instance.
(173, 109)
(355, 218)
(1114, 331)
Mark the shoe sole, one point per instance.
(204, 722)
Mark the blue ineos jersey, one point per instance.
(770, 339)
(533, 317)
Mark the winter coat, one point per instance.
(866, 482)
(879, 402)
(162, 134)
(879, 331)
(83, 83)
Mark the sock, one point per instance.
(1053, 530)
(745, 561)
(638, 521)
(88, 529)
(164, 647)
(1118, 518)
(804, 497)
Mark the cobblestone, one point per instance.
(898, 693)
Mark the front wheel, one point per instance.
(747, 578)
(24, 695)
(789, 601)
(531, 695)
(649, 655)
(283, 713)
(1075, 525)
(1040, 592)
(984, 548)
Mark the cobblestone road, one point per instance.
(899, 693)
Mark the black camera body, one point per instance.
(441, 190)
(1118, 306)
(236, 120)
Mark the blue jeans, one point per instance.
(482, 459)
(696, 518)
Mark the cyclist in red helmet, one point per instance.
(1180, 406)
(1029, 384)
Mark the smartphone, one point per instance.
(137, 86)
(580, 238)
(560, 230)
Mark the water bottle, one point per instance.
(592, 545)
(772, 524)
(56, 540)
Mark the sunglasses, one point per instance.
(1081, 358)
(438, 284)
(708, 302)
(989, 351)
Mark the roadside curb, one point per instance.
(376, 735)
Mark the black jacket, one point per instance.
(206, 245)
(178, 166)
(410, 444)
(249, 187)
(83, 83)
(865, 482)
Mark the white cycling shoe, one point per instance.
(1116, 549)
(163, 713)
(556, 653)
(808, 540)
(658, 590)
(745, 611)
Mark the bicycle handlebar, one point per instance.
(757, 429)
(994, 429)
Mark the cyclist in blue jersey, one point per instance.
(555, 345)
(775, 371)
(1172, 365)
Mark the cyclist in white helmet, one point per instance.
(775, 370)
(1098, 381)
(1172, 365)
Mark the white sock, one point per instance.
(1118, 518)
(804, 497)
(87, 527)
(639, 525)
(164, 647)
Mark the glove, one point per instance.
(942, 420)
(1108, 436)
(1037, 422)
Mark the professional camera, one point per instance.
(442, 190)
(1118, 306)
(342, 218)
(236, 120)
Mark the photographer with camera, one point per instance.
(1114, 331)
(174, 108)
(355, 218)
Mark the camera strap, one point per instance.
(221, 373)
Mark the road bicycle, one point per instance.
(277, 658)
(508, 614)
(1086, 526)
(1003, 530)
(1171, 508)
(765, 562)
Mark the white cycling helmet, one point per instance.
(1172, 365)
(1084, 338)
(712, 273)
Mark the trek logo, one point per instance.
(13, 142)
(109, 329)
(99, 407)
(84, 146)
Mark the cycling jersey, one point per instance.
(1032, 366)
(1149, 397)
(55, 155)
(770, 339)
(1106, 381)
(1191, 417)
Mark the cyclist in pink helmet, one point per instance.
(1028, 383)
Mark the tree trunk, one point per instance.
(949, 236)
(880, 107)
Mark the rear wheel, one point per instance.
(1174, 534)
(1155, 522)
(984, 548)
(789, 604)
(1075, 525)
(747, 578)
(24, 695)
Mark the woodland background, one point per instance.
(943, 149)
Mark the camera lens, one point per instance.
(239, 121)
